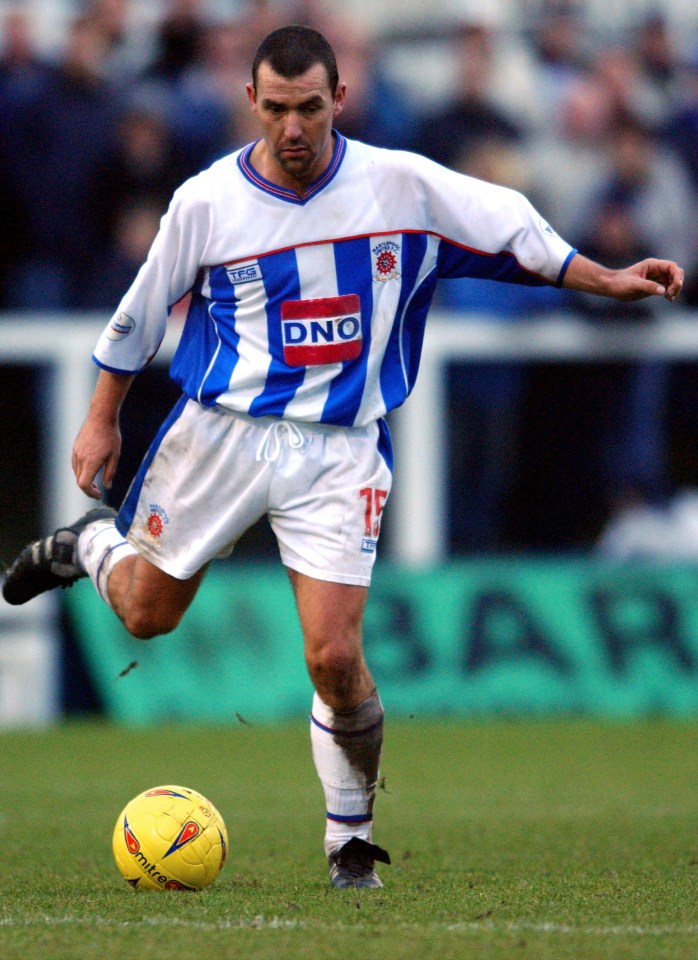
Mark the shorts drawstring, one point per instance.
(270, 445)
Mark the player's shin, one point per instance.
(100, 548)
(346, 750)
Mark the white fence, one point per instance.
(64, 344)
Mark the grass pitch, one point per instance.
(509, 840)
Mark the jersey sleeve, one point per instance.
(490, 232)
(135, 331)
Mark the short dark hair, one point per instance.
(291, 51)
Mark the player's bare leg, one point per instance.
(331, 617)
(346, 727)
(148, 601)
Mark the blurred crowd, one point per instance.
(598, 128)
(101, 127)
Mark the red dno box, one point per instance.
(325, 330)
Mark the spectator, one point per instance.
(21, 69)
(589, 126)
(209, 109)
(179, 38)
(472, 116)
(143, 166)
(58, 135)
(133, 230)
(559, 39)
(21, 72)
(616, 434)
(680, 131)
(619, 408)
(486, 399)
(643, 176)
(658, 59)
(378, 110)
(129, 44)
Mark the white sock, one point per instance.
(346, 750)
(100, 547)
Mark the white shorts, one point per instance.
(210, 474)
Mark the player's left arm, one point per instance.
(648, 278)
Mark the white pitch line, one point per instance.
(278, 923)
(256, 923)
(522, 926)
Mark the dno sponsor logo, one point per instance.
(325, 330)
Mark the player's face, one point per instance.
(296, 116)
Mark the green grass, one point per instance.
(509, 840)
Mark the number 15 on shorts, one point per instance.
(374, 501)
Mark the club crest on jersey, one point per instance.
(325, 330)
(385, 255)
(155, 523)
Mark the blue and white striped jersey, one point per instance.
(314, 308)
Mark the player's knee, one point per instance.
(334, 664)
(146, 622)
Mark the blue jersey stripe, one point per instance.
(353, 265)
(207, 351)
(457, 261)
(404, 346)
(385, 443)
(414, 327)
(281, 282)
(125, 516)
(225, 357)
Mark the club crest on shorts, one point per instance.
(324, 330)
(155, 523)
(385, 258)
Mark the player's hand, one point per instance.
(98, 444)
(648, 278)
(97, 447)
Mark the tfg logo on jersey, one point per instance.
(326, 330)
(244, 274)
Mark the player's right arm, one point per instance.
(98, 444)
(648, 278)
(133, 335)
